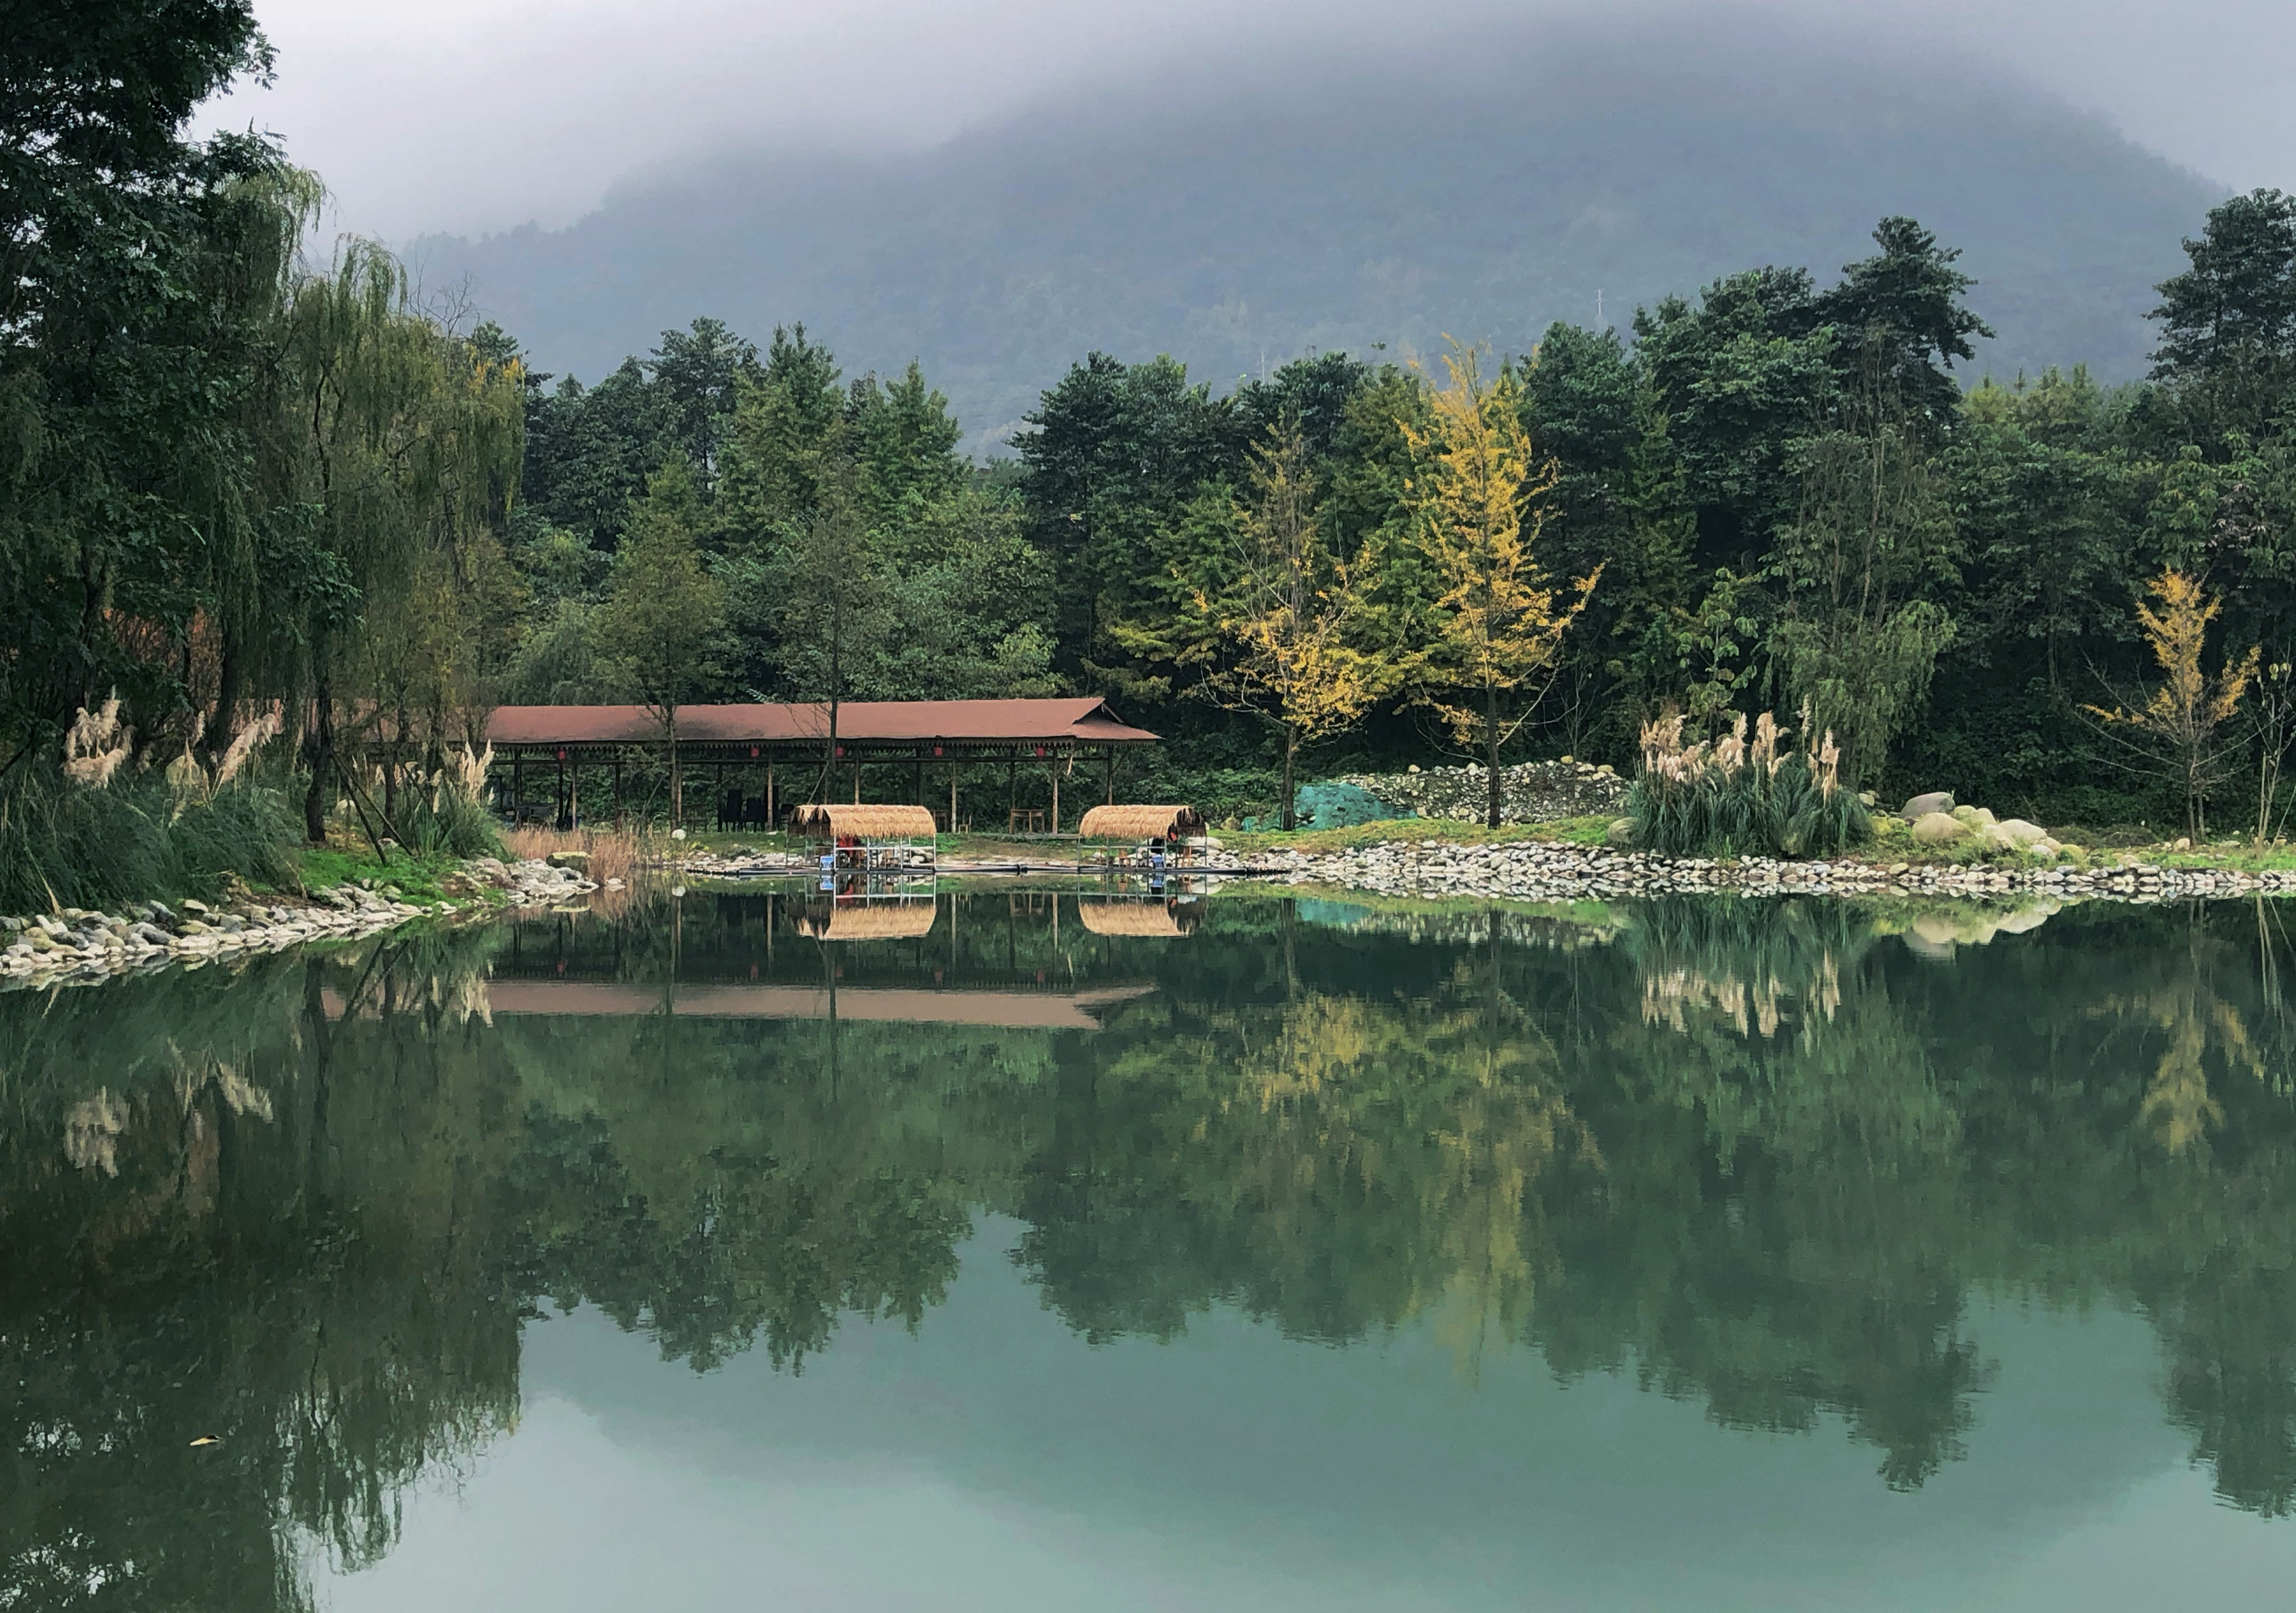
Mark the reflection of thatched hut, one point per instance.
(873, 823)
(1121, 917)
(1141, 823)
(869, 922)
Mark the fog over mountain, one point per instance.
(1240, 218)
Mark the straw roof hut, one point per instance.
(870, 922)
(1121, 918)
(1141, 823)
(832, 822)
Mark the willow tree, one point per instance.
(663, 619)
(1857, 638)
(1477, 503)
(392, 440)
(1275, 625)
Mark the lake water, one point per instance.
(1018, 1250)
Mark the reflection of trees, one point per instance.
(1733, 1149)
(1335, 1162)
(262, 1255)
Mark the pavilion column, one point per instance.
(769, 797)
(557, 796)
(618, 786)
(517, 788)
(1055, 771)
(1108, 768)
(952, 818)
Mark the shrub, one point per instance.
(1728, 797)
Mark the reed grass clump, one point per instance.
(64, 844)
(1736, 796)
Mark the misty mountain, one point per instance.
(1238, 218)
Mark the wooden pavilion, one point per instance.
(808, 744)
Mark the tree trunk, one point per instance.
(1491, 749)
(322, 757)
(1290, 752)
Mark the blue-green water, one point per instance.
(1019, 1253)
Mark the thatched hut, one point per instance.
(1121, 918)
(1141, 823)
(869, 922)
(834, 821)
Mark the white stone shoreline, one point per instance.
(1542, 871)
(79, 946)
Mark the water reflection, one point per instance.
(1763, 1157)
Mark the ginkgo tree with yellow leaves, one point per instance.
(1496, 621)
(2182, 728)
(1278, 625)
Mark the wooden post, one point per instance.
(517, 788)
(618, 786)
(769, 797)
(1055, 771)
(1108, 767)
(557, 796)
(917, 778)
(574, 793)
(1012, 792)
(952, 816)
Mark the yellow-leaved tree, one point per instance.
(1278, 628)
(2181, 729)
(1496, 623)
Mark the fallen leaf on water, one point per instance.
(207, 1439)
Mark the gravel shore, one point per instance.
(75, 945)
(1553, 871)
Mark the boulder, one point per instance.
(1976, 817)
(1921, 806)
(570, 859)
(2019, 833)
(1937, 829)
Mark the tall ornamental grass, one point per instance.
(1731, 797)
(69, 844)
(445, 812)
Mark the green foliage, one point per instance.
(62, 845)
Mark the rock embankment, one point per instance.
(76, 944)
(1552, 871)
(1530, 792)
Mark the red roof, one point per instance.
(1080, 719)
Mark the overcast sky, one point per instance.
(475, 115)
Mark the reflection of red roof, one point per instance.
(1016, 1011)
(1080, 719)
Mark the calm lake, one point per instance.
(1019, 1250)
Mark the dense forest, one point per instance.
(240, 481)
